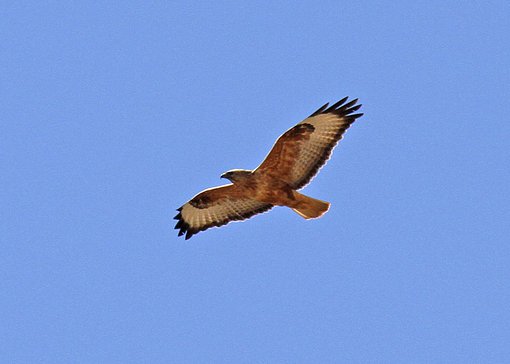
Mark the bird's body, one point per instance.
(292, 162)
(260, 186)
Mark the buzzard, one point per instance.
(294, 160)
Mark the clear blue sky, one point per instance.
(112, 116)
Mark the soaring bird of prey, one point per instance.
(294, 160)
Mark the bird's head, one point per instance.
(236, 175)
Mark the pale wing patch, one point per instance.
(192, 220)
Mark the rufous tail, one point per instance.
(309, 208)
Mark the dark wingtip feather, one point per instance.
(349, 104)
(354, 108)
(339, 108)
(337, 104)
(320, 110)
(183, 226)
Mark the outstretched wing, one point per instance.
(216, 207)
(302, 150)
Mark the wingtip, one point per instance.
(340, 107)
(341, 101)
(320, 110)
(349, 104)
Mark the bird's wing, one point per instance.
(216, 207)
(301, 151)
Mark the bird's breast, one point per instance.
(270, 190)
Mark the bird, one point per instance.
(293, 161)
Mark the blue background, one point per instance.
(113, 115)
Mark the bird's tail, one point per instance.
(309, 208)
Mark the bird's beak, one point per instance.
(224, 175)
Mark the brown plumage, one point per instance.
(294, 160)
